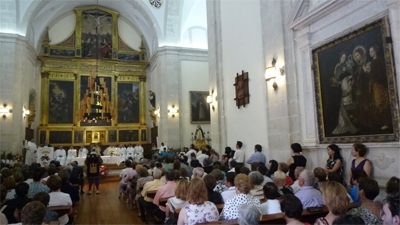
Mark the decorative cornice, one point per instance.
(182, 53)
(20, 40)
(316, 13)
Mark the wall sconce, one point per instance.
(5, 110)
(211, 99)
(157, 112)
(172, 111)
(25, 112)
(272, 71)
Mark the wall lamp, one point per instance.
(211, 99)
(173, 111)
(273, 71)
(156, 112)
(5, 110)
(25, 112)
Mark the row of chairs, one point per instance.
(308, 216)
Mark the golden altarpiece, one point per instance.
(93, 85)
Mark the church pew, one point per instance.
(151, 194)
(163, 201)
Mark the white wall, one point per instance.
(19, 74)
(172, 74)
(242, 50)
(194, 77)
(62, 28)
(129, 34)
(312, 29)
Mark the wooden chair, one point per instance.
(61, 210)
(276, 218)
(151, 194)
(310, 215)
(163, 201)
(220, 207)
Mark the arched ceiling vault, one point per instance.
(43, 13)
(172, 24)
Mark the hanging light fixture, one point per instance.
(97, 98)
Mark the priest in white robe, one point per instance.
(31, 152)
(130, 152)
(122, 152)
(60, 155)
(71, 154)
(44, 155)
(82, 152)
(138, 152)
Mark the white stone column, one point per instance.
(18, 74)
(218, 127)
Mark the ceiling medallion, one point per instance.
(156, 3)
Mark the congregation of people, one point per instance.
(199, 185)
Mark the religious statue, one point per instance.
(199, 138)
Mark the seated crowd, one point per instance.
(199, 186)
(186, 190)
(26, 190)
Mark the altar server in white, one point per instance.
(82, 153)
(44, 155)
(71, 154)
(31, 152)
(60, 155)
(138, 152)
(122, 152)
(130, 152)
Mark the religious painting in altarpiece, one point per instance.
(94, 85)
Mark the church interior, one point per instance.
(159, 78)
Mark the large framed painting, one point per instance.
(128, 102)
(96, 34)
(355, 87)
(61, 102)
(199, 109)
(128, 135)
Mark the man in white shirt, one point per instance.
(201, 156)
(163, 148)
(239, 153)
(58, 198)
(189, 153)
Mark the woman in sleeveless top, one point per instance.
(297, 159)
(334, 165)
(360, 163)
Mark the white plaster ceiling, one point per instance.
(175, 23)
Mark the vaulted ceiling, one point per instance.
(174, 23)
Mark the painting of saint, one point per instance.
(200, 109)
(128, 102)
(61, 102)
(353, 83)
(96, 34)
